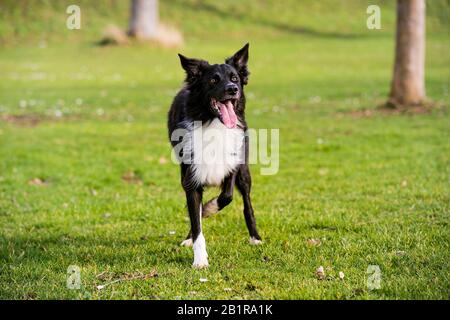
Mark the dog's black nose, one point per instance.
(231, 89)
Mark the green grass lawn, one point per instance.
(372, 187)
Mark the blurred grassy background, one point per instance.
(33, 21)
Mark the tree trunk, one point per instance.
(144, 19)
(408, 83)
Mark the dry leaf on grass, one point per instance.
(125, 277)
(36, 182)
(105, 275)
(314, 242)
(162, 160)
(131, 177)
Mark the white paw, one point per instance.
(200, 259)
(201, 264)
(255, 242)
(187, 243)
(200, 254)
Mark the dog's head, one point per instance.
(218, 88)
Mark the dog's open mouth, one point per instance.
(225, 110)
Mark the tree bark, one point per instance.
(144, 19)
(408, 83)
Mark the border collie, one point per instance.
(213, 147)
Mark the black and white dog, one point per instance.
(207, 131)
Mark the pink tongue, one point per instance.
(228, 116)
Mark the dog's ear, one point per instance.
(193, 67)
(239, 62)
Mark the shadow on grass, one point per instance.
(279, 26)
(62, 250)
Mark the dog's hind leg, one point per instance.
(188, 241)
(243, 183)
(226, 196)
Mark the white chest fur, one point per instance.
(217, 151)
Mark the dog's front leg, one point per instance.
(244, 183)
(194, 203)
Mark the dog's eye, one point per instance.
(215, 79)
(234, 79)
